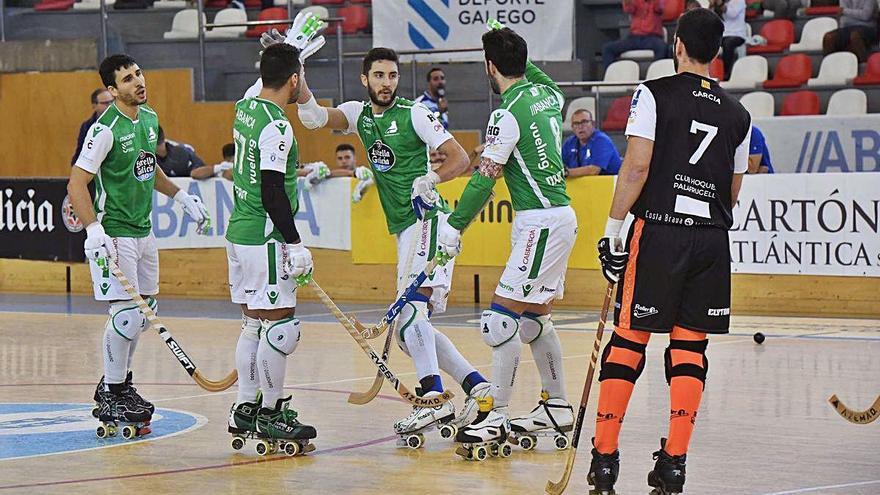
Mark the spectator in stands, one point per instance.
(691, 5)
(590, 151)
(645, 31)
(224, 168)
(857, 31)
(345, 161)
(733, 13)
(101, 99)
(180, 160)
(435, 96)
(784, 9)
(759, 154)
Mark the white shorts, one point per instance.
(424, 234)
(541, 242)
(138, 258)
(256, 278)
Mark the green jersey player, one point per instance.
(522, 144)
(398, 135)
(120, 155)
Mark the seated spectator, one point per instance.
(345, 161)
(759, 154)
(589, 151)
(179, 160)
(857, 31)
(645, 31)
(733, 13)
(784, 9)
(101, 99)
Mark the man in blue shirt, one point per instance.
(101, 99)
(759, 154)
(589, 151)
(435, 96)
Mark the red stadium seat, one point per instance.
(270, 14)
(216, 4)
(830, 10)
(50, 5)
(328, 2)
(800, 103)
(779, 34)
(253, 4)
(872, 72)
(362, 1)
(672, 10)
(791, 72)
(617, 115)
(752, 13)
(716, 69)
(357, 18)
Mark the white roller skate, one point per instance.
(551, 418)
(469, 410)
(487, 435)
(411, 429)
(121, 412)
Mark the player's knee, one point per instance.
(622, 359)
(498, 325)
(127, 320)
(283, 336)
(532, 326)
(414, 311)
(251, 327)
(686, 358)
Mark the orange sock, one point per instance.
(685, 392)
(619, 359)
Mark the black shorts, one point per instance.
(676, 276)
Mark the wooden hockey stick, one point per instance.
(156, 323)
(853, 416)
(389, 375)
(558, 487)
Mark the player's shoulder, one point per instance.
(108, 118)
(149, 110)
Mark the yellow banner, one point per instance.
(487, 241)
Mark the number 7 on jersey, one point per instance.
(711, 131)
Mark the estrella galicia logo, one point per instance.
(381, 156)
(144, 166)
(429, 18)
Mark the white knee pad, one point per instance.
(532, 327)
(127, 320)
(412, 313)
(497, 328)
(250, 327)
(283, 336)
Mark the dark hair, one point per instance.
(433, 70)
(161, 137)
(345, 147)
(700, 30)
(507, 51)
(110, 65)
(95, 94)
(228, 149)
(277, 64)
(375, 55)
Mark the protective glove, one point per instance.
(195, 209)
(360, 189)
(448, 242)
(296, 261)
(97, 245)
(318, 172)
(423, 196)
(303, 34)
(363, 173)
(612, 257)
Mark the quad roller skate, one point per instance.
(128, 389)
(551, 418)
(468, 412)
(487, 435)
(603, 472)
(278, 430)
(411, 429)
(667, 477)
(120, 413)
(243, 422)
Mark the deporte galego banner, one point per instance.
(448, 24)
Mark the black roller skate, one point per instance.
(120, 411)
(243, 422)
(128, 389)
(603, 472)
(279, 430)
(668, 474)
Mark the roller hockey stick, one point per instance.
(156, 323)
(377, 360)
(558, 487)
(857, 417)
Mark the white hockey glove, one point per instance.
(423, 196)
(363, 173)
(448, 242)
(97, 245)
(612, 257)
(318, 172)
(271, 37)
(220, 167)
(296, 262)
(195, 209)
(358, 194)
(303, 34)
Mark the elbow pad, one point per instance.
(311, 114)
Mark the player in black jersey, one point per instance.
(688, 148)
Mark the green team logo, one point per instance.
(104, 288)
(527, 289)
(381, 156)
(145, 166)
(272, 295)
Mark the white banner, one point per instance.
(823, 144)
(447, 24)
(323, 219)
(808, 224)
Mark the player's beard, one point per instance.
(133, 99)
(493, 84)
(374, 97)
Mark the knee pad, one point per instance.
(611, 369)
(497, 327)
(533, 326)
(251, 327)
(283, 336)
(127, 320)
(414, 311)
(687, 369)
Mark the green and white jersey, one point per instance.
(263, 141)
(525, 135)
(121, 153)
(398, 143)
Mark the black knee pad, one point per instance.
(617, 370)
(687, 369)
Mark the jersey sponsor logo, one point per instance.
(97, 130)
(282, 127)
(145, 166)
(527, 289)
(104, 287)
(505, 287)
(632, 106)
(272, 295)
(392, 129)
(704, 83)
(718, 312)
(247, 120)
(126, 142)
(71, 221)
(381, 156)
(640, 311)
(708, 96)
(540, 146)
(546, 289)
(548, 103)
(527, 252)
(152, 135)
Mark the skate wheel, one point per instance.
(493, 450)
(527, 442)
(111, 430)
(505, 450)
(262, 447)
(292, 448)
(448, 431)
(101, 432)
(561, 442)
(273, 447)
(415, 441)
(95, 411)
(480, 453)
(128, 432)
(237, 443)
